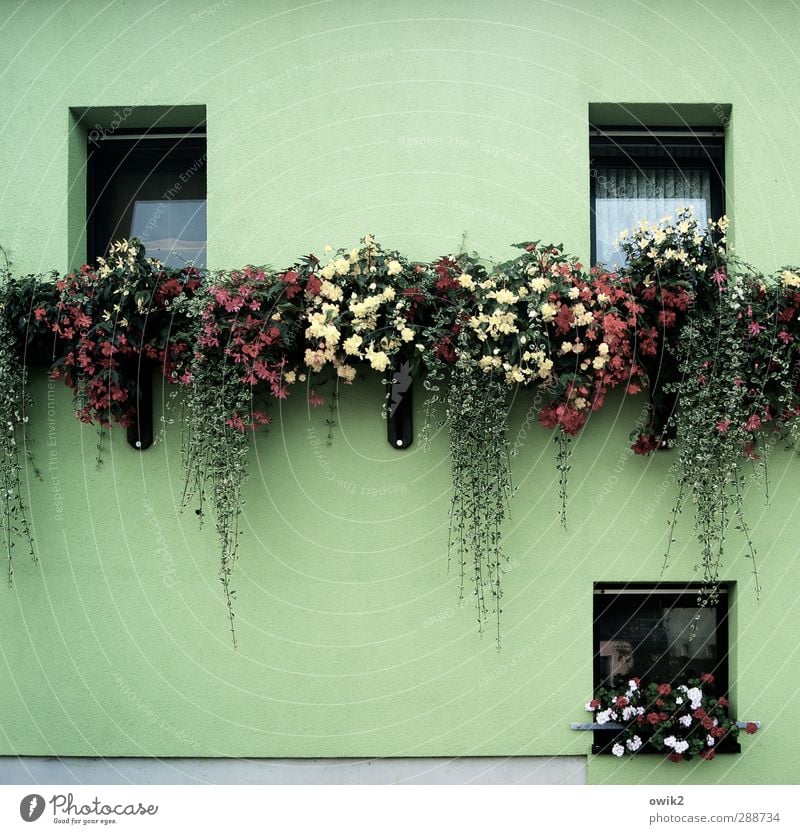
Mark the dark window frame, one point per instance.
(674, 592)
(616, 147)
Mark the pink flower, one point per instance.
(315, 400)
(722, 426)
(719, 278)
(754, 329)
(753, 424)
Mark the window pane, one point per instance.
(152, 187)
(624, 196)
(655, 637)
(174, 232)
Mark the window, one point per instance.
(151, 185)
(648, 174)
(657, 633)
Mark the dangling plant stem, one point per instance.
(563, 455)
(215, 459)
(13, 512)
(714, 432)
(475, 405)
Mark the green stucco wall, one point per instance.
(415, 121)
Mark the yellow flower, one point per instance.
(394, 267)
(505, 296)
(351, 346)
(378, 359)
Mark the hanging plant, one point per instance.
(107, 320)
(244, 358)
(457, 350)
(668, 266)
(357, 312)
(740, 378)
(714, 430)
(576, 341)
(14, 402)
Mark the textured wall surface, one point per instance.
(415, 121)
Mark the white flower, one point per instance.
(628, 713)
(539, 284)
(342, 266)
(680, 746)
(394, 267)
(678, 700)
(685, 720)
(631, 683)
(695, 696)
(407, 334)
(634, 744)
(588, 707)
(566, 347)
(328, 271)
(618, 750)
(603, 717)
(670, 741)
(710, 740)
(602, 349)
(574, 293)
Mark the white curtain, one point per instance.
(624, 196)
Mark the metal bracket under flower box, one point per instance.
(611, 725)
(140, 434)
(399, 417)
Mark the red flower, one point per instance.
(675, 757)
(700, 714)
(723, 701)
(707, 754)
(653, 718)
(707, 677)
(751, 728)
(646, 444)
(708, 723)
(621, 701)
(664, 689)
(594, 703)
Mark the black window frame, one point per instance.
(100, 169)
(674, 593)
(616, 147)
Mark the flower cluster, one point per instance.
(359, 310)
(578, 334)
(683, 720)
(105, 319)
(248, 322)
(671, 265)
